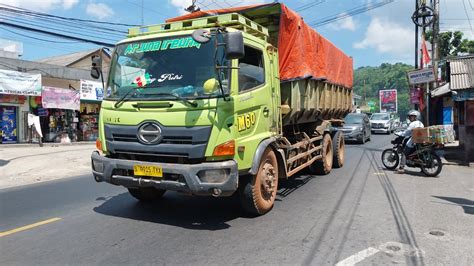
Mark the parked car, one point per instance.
(356, 127)
(381, 123)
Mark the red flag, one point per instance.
(424, 51)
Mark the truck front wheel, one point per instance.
(146, 193)
(323, 166)
(258, 192)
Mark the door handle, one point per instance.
(266, 111)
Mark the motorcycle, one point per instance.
(423, 157)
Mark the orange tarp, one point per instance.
(303, 52)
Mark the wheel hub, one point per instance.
(268, 178)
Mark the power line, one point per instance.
(349, 13)
(26, 11)
(39, 39)
(468, 19)
(309, 5)
(56, 34)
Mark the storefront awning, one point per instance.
(440, 91)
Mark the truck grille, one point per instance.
(181, 142)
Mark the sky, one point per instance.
(382, 35)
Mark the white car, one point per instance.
(381, 123)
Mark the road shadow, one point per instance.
(290, 185)
(4, 162)
(466, 204)
(198, 213)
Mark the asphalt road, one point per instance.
(354, 214)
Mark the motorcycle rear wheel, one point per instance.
(434, 167)
(390, 159)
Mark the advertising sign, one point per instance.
(19, 83)
(61, 98)
(414, 95)
(421, 76)
(8, 124)
(91, 90)
(464, 95)
(388, 101)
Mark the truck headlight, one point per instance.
(214, 175)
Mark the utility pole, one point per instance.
(435, 44)
(416, 37)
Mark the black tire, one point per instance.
(323, 166)
(257, 193)
(435, 166)
(146, 194)
(390, 159)
(338, 147)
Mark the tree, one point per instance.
(452, 43)
(369, 80)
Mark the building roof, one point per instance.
(462, 72)
(67, 59)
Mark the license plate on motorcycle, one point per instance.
(147, 170)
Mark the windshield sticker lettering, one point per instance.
(169, 76)
(134, 48)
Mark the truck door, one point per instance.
(254, 102)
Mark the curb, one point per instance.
(36, 145)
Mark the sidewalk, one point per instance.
(22, 164)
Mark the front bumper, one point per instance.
(188, 182)
(353, 135)
(380, 130)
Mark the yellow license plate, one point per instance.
(147, 170)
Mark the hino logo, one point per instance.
(149, 133)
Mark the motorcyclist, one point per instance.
(409, 148)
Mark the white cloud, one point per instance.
(344, 24)
(99, 10)
(387, 37)
(41, 5)
(68, 4)
(208, 4)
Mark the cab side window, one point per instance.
(252, 70)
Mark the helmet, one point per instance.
(415, 113)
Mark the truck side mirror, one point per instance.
(234, 45)
(96, 68)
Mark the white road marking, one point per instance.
(358, 257)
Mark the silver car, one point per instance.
(381, 123)
(356, 127)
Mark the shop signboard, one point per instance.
(43, 111)
(19, 83)
(8, 124)
(60, 98)
(91, 90)
(388, 101)
(10, 98)
(463, 95)
(419, 76)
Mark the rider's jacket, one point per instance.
(407, 132)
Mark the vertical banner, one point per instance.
(8, 124)
(388, 101)
(414, 95)
(91, 90)
(60, 98)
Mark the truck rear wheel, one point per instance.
(146, 193)
(258, 192)
(323, 166)
(338, 147)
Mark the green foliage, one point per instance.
(452, 43)
(369, 80)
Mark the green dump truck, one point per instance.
(222, 102)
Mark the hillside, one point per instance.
(369, 80)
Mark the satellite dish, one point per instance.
(201, 35)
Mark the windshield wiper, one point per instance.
(193, 104)
(124, 97)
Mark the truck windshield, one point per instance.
(154, 68)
